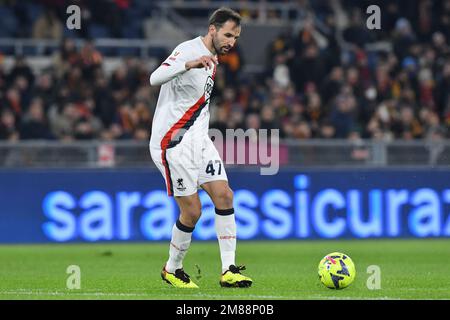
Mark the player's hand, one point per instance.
(206, 62)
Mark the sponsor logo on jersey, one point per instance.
(208, 87)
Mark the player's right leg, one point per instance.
(180, 182)
(173, 272)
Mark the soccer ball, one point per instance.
(336, 270)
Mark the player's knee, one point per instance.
(195, 216)
(190, 211)
(190, 217)
(225, 197)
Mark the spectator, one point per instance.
(220, 122)
(45, 89)
(105, 107)
(332, 84)
(281, 74)
(327, 130)
(357, 32)
(8, 129)
(66, 58)
(13, 102)
(302, 130)
(141, 133)
(342, 115)
(310, 68)
(404, 38)
(360, 152)
(21, 68)
(307, 36)
(252, 126)
(268, 119)
(280, 46)
(442, 91)
(443, 19)
(62, 122)
(88, 126)
(232, 63)
(91, 60)
(48, 26)
(34, 124)
(406, 126)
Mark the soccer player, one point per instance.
(184, 153)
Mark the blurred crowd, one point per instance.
(312, 87)
(75, 99)
(46, 19)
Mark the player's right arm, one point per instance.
(177, 64)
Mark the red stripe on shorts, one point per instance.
(171, 133)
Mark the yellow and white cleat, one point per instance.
(233, 278)
(178, 279)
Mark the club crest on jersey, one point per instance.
(180, 185)
(174, 55)
(208, 87)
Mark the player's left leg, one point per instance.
(213, 179)
(225, 224)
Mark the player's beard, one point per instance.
(218, 48)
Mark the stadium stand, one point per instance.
(325, 76)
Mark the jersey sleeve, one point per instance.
(174, 65)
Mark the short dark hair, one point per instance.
(222, 15)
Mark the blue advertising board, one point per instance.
(132, 205)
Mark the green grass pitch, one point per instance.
(410, 269)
